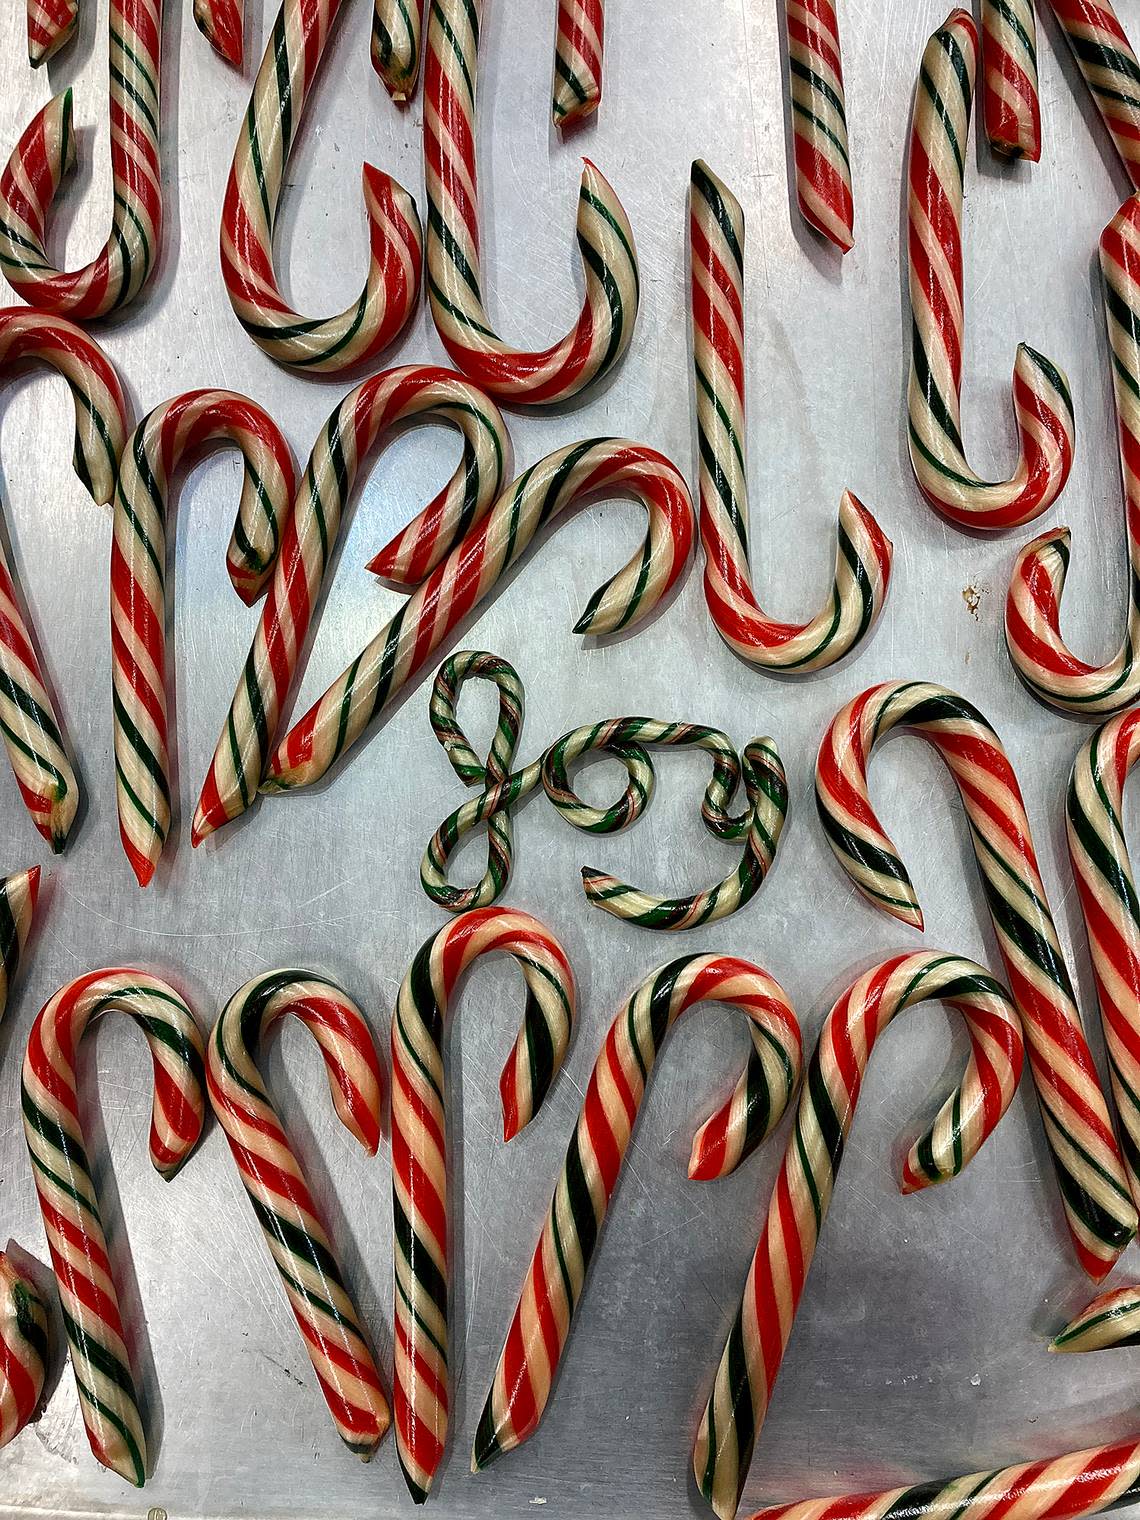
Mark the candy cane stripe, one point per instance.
(1110, 70)
(1011, 108)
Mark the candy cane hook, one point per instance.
(64, 1182)
(804, 1188)
(1033, 602)
(29, 724)
(253, 195)
(1090, 1171)
(46, 152)
(604, 327)
(421, 1393)
(471, 571)
(863, 551)
(556, 1278)
(154, 451)
(363, 421)
(330, 1324)
(1042, 404)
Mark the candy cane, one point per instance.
(472, 570)
(1042, 404)
(249, 215)
(1110, 70)
(1033, 602)
(154, 451)
(365, 418)
(1112, 1319)
(46, 152)
(50, 25)
(556, 1278)
(69, 1202)
(19, 894)
(609, 262)
(24, 1347)
(421, 1392)
(395, 48)
(28, 721)
(1090, 1172)
(819, 120)
(578, 48)
(1011, 106)
(802, 1195)
(330, 1324)
(863, 551)
(1070, 1487)
(221, 23)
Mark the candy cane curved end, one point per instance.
(51, 24)
(24, 1348)
(578, 48)
(221, 22)
(556, 1278)
(66, 1189)
(295, 1235)
(1110, 1320)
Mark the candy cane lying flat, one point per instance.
(1011, 106)
(330, 1325)
(65, 1184)
(1112, 1319)
(556, 1278)
(863, 553)
(50, 24)
(28, 721)
(253, 195)
(18, 895)
(1041, 400)
(24, 1348)
(1061, 1488)
(804, 1188)
(1033, 602)
(395, 48)
(363, 420)
(421, 1394)
(1090, 1172)
(46, 152)
(221, 22)
(609, 261)
(154, 451)
(469, 574)
(578, 49)
(1110, 69)
(819, 120)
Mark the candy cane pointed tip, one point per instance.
(220, 22)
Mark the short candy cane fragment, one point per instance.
(367, 325)
(556, 1278)
(18, 896)
(330, 1325)
(578, 48)
(1042, 404)
(1011, 106)
(221, 22)
(1033, 602)
(65, 1183)
(1112, 1319)
(46, 152)
(605, 322)
(804, 1188)
(50, 24)
(395, 47)
(1091, 1175)
(1110, 70)
(364, 420)
(154, 452)
(421, 1394)
(24, 1346)
(469, 574)
(863, 552)
(29, 724)
(819, 120)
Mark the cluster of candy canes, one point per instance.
(421, 1392)
(28, 722)
(18, 896)
(806, 1182)
(1090, 1172)
(154, 451)
(863, 551)
(249, 213)
(1111, 71)
(1033, 603)
(609, 261)
(322, 1305)
(64, 1181)
(578, 48)
(472, 570)
(1042, 404)
(1112, 1319)
(556, 1278)
(23, 1348)
(46, 152)
(365, 418)
(50, 25)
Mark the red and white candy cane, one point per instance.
(50, 25)
(18, 896)
(24, 1347)
(395, 49)
(29, 724)
(46, 152)
(556, 1278)
(421, 1392)
(1011, 105)
(804, 1188)
(1042, 404)
(1110, 69)
(578, 48)
(221, 22)
(330, 1325)
(364, 419)
(605, 322)
(819, 120)
(863, 551)
(470, 573)
(154, 451)
(1033, 603)
(65, 1182)
(324, 345)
